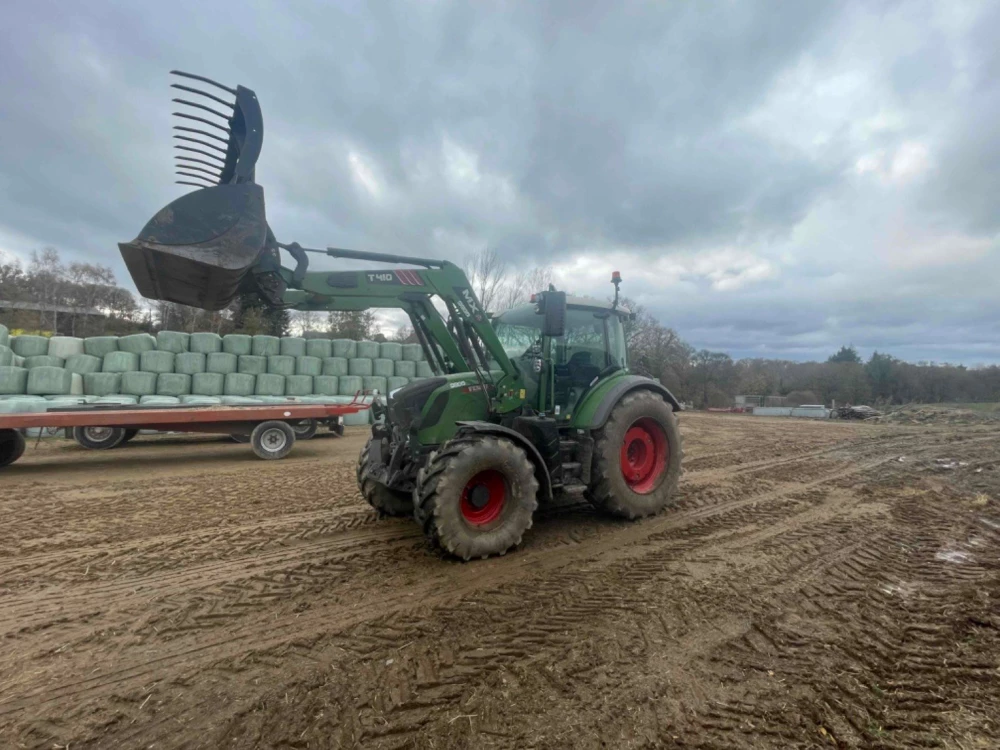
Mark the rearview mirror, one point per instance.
(554, 310)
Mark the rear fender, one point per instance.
(488, 428)
(598, 407)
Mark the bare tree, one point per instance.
(496, 287)
(403, 334)
(308, 320)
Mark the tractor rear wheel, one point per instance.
(637, 458)
(385, 500)
(476, 496)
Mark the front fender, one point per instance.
(488, 428)
(597, 405)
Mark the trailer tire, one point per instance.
(637, 458)
(272, 440)
(129, 434)
(385, 500)
(476, 496)
(12, 445)
(240, 437)
(305, 429)
(99, 438)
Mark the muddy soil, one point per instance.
(816, 585)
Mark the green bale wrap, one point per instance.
(117, 398)
(270, 384)
(6, 356)
(358, 418)
(45, 381)
(43, 360)
(189, 363)
(157, 361)
(208, 383)
(252, 364)
(139, 383)
(76, 383)
(65, 347)
(371, 383)
(237, 343)
(173, 341)
(281, 364)
(29, 346)
(201, 400)
(102, 383)
(205, 343)
(18, 361)
(367, 350)
(405, 369)
(292, 346)
(298, 385)
(221, 362)
(24, 405)
(416, 380)
(69, 400)
(173, 384)
(326, 385)
(137, 343)
(272, 399)
(266, 346)
(239, 401)
(335, 366)
(321, 348)
(83, 363)
(240, 384)
(390, 350)
(358, 366)
(13, 380)
(121, 362)
(159, 400)
(383, 367)
(308, 366)
(345, 348)
(99, 346)
(4, 336)
(349, 385)
(396, 382)
(424, 370)
(413, 352)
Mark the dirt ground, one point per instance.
(818, 584)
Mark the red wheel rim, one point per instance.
(644, 455)
(484, 497)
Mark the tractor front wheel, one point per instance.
(476, 496)
(385, 500)
(637, 458)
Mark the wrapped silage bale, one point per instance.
(173, 384)
(192, 400)
(292, 346)
(29, 346)
(308, 365)
(298, 385)
(24, 405)
(49, 381)
(157, 361)
(65, 346)
(240, 384)
(137, 383)
(205, 343)
(69, 400)
(17, 361)
(325, 385)
(359, 366)
(383, 367)
(83, 363)
(99, 346)
(120, 362)
(173, 341)
(4, 336)
(209, 384)
(6, 356)
(189, 363)
(405, 369)
(102, 383)
(349, 385)
(321, 348)
(221, 362)
(13, 380)
(265, 346)
(374, 383)
(117, 398)
(367, 350)
(239, 401)
(159, 400)
(390, 350)
(395, 382)
(424, 370)
(335, 366)
(252, 364)
(137, 343)
(237, 343)
(345, 348)
(281, 364)
(76, 383)
(270, 384)
(43, 360)
(413, 352)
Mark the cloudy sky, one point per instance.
(771, 178)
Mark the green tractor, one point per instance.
(535, 401)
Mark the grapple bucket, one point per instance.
(198, 250)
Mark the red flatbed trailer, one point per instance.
(270, 427)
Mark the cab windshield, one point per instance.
(593, 337)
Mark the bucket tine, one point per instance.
(199, 151)
(196, 176)
(202, 107)
(213, 97)
(200, 143)
(203, 79)
(191, 159)
(202, 119)
(214, 175)
(201, 132)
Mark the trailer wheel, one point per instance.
(11, 447)
(99, 438)
(240, 437)
(637, 458)
(384, 499)
(305, 429)
(476, 496)
(337, 427)
(272, 440)
(129, 434)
